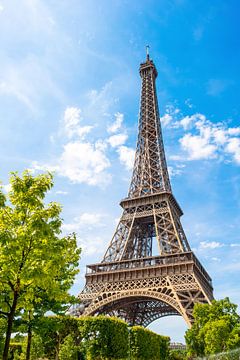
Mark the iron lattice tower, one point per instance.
(131, 282)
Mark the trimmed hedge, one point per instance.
(146, 344)
(96, 338)
(104, 337)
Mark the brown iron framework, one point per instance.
(131, 282)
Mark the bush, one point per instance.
(145, 344)
(15, 350)
(104, 337)
(177, 354)
(68, 349)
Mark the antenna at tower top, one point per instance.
(147, 51)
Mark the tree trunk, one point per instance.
(57, 347)
(9, 326)
(29, 341)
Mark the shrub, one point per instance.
(104, 337)
(145, 344)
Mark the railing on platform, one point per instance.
(166, 260)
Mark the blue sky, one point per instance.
(69, 97)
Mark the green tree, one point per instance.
(34, 257)
(216, 335)
(216, 328)
(37, 348)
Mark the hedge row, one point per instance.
(146, 344)
(97, 338)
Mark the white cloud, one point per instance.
(91, 219)
(83, 221)
(171, 113)
(61, 192)
(186, 121)
(188, 103)
(198, 147)
(91, 246)
(235, 245)
(207, 140)
(233, 147)
(174, 171)
(176, 157)
(113, 128)
(117, 140)
(234, 131)
(99, 102)
(81, 162)
(219, 136)
(84, 163)
(72, 118)
(210, 245)
(43, 167)
(82, 225)
(126, 156)
(166, 119)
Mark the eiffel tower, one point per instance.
(148, 270)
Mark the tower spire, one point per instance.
(147, 52)
(150, 174)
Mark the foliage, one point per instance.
(15, 350)
(37, 348)
(229, 355)
(68, 349)
(145, 344)
(177, 354)
(104, 337)
(43, 264)
(2, 332)
(216, 328)
(51, 330)
(99, 338)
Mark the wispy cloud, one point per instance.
(83, 221)
(61, 192)
(216, 87)
(126, 156)
(87, 226)
(116, 125)
(210, 245)
(71, 123)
